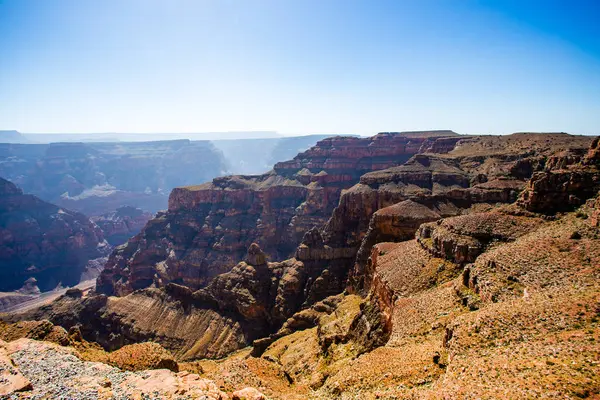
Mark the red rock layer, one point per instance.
(208, 228)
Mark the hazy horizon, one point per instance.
(299, 67)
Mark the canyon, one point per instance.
(404, 265)
(44, 242)
(208, 228)
(97, 177)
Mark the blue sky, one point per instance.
(299, 66)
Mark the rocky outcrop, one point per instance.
(567, 183)
(448, 323)
(251, 301)
(122, 224)
(98, 178)
(262, 294)
(593, 211)
(11, 379)
(248, 393)
(341, 329)
(208, 228)
(462, 239)
(395, 223)
(182, 324)
(45, 370)
(486, 169)
(42, 241)
(37, 330)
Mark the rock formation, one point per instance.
(566, 183)
(208, 228)
(258, 296)
(45, 370)
(43, 241)
(479, 170)
(251, 301)
(456, 286)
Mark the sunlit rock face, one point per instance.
(208, 227)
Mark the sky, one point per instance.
(299, 66)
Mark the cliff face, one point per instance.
(485, 169)
(98, 178)
(567, 182)
(483, 300)
(208, 228)
(43, 241)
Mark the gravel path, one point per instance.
(56, 373)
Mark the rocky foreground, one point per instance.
(40, 370)
(470, 273)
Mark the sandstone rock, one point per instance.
(74, 292)
(11, 379)
(248, 393)
(394, 223)
(561, 190)
(487, 169)
(30, 287)
(38, 330)
(142, 356)
(594, 212)
(565, 186)
(461, 239)
(255, 255)
(58, 372)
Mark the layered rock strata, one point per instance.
(208, 228)
(566, 183)
(479, 170)
(43, 241)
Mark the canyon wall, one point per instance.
(208, 227)
(43, 241)
(472, 272)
